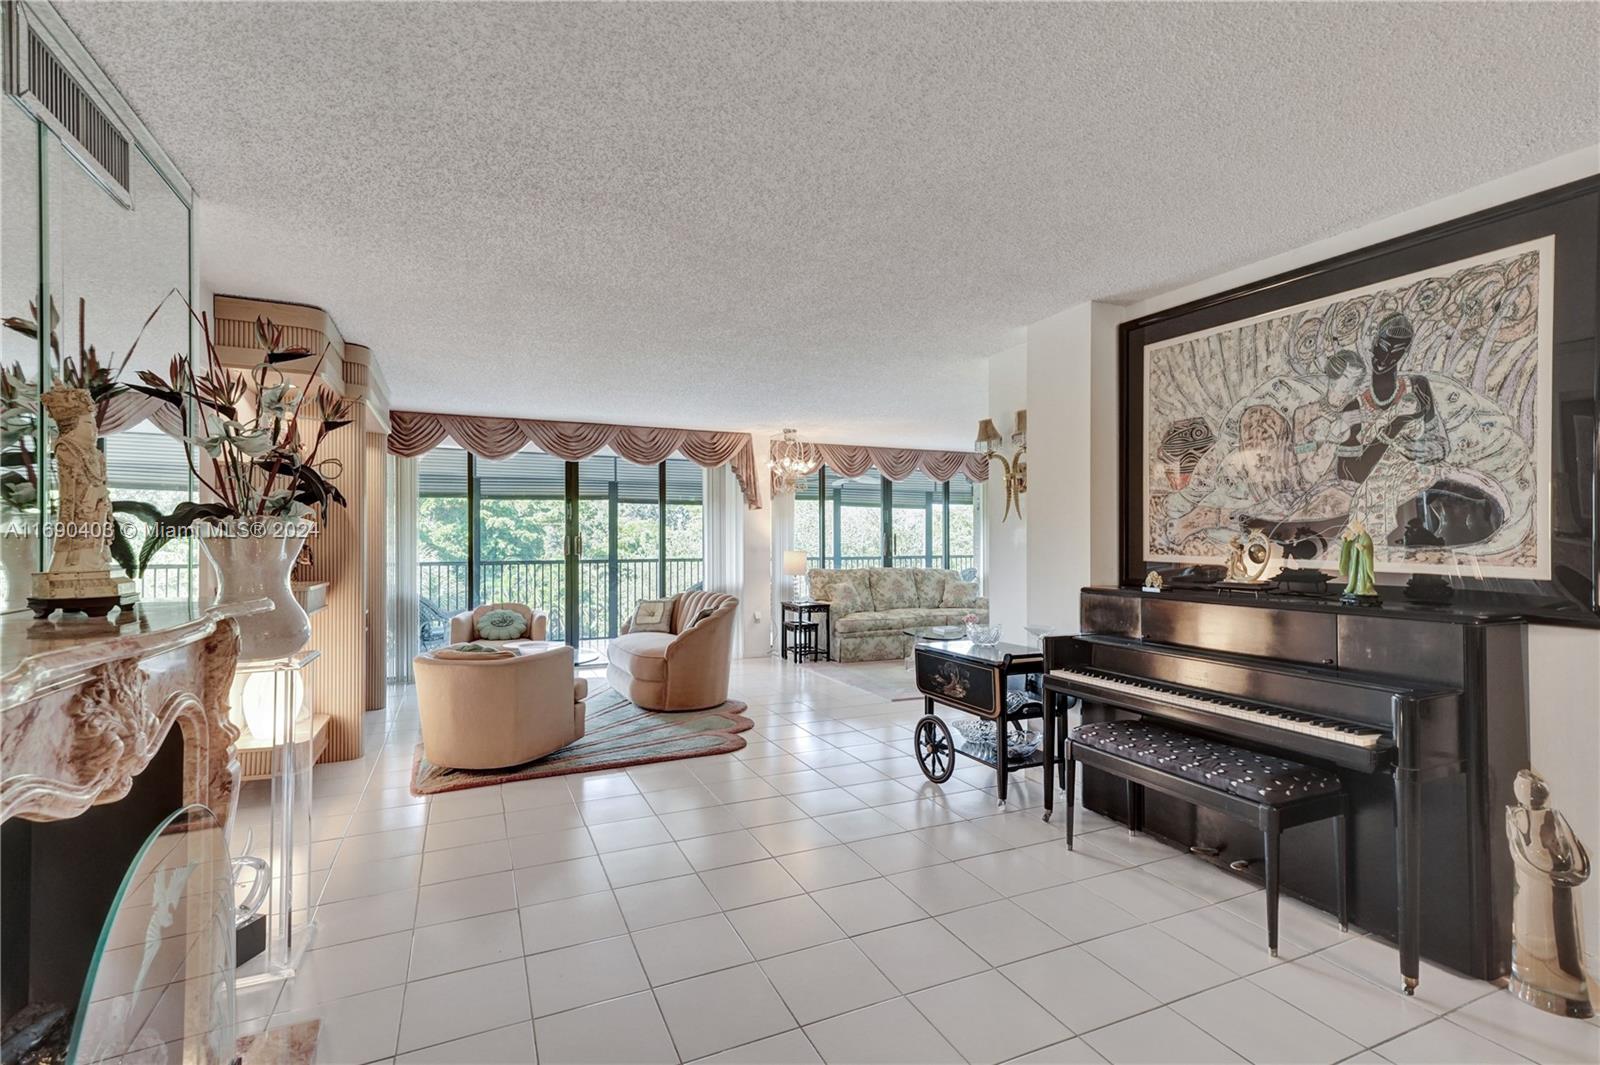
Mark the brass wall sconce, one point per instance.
(1016, 467)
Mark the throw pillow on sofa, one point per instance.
(846, 599)
(826, 585)
(820, 582)
(959, 594)
(501, 625)
(652, 615)
(930, 586)
(892, 589)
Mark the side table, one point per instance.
(803, 611)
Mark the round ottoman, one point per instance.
(500, 711)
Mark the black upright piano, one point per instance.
(1421, 712)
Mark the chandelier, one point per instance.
(792, 462)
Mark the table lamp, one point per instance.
(794, 565)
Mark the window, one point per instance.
(146, 465)
(855, 522)
(686, 526)
(619, 520)
(582, 541)
(443, 547)
(963, 526)
(522, 525)
(913, 519)
(808, 523)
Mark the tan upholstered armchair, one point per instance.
(500, 712)
(463, 627)
(684, 669)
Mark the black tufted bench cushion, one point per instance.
(1272, 792)
(1251, 775)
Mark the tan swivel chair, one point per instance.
(684, 669)
(463, 627)
(499, 712)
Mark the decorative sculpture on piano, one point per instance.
(1546, 934)
(1357, 568)
(1236, 571)
(1248, 560)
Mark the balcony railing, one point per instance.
(167, 580)
(607, 592)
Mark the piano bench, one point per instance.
(1272, 792)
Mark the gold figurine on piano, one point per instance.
(1236, 574)
(1248, 560)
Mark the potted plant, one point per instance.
(256, 439)
(19, 477)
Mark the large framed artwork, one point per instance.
(1438, 389)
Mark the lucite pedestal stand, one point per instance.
(271, 704)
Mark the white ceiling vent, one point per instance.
(48, 82)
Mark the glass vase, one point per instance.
(254, 560)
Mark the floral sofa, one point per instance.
(870, 609)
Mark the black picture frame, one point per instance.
(1571, 213)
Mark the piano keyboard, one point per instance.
(1288, 720)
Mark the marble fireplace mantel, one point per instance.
(86, 703)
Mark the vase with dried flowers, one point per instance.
(256, 439)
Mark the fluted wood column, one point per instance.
(378, 492)
(339, 630)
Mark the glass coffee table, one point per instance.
(931, 634)
(937, 633)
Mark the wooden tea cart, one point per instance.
(973, 679)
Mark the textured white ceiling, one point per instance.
(822, 216)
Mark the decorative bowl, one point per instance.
(983, 635)
(1021, 743)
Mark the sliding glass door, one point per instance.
(912, 521)
(444, 532)
(684, 527)
(853, 522)
(856, 531)
(619, 523)
(961, 526)
(582, 541)
(521, 503)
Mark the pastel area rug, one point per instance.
(617, 734)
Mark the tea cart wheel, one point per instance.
(936, 752)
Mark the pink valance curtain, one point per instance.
(413, 432)
(896, 463)
(125, 410)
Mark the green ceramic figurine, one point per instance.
(1356, 566)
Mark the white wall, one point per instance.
(1005, 543)
(1072, 492)
(1564, 734)
(1071, 527)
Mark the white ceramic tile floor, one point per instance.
(813, 898)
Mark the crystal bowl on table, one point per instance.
(982, 634)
